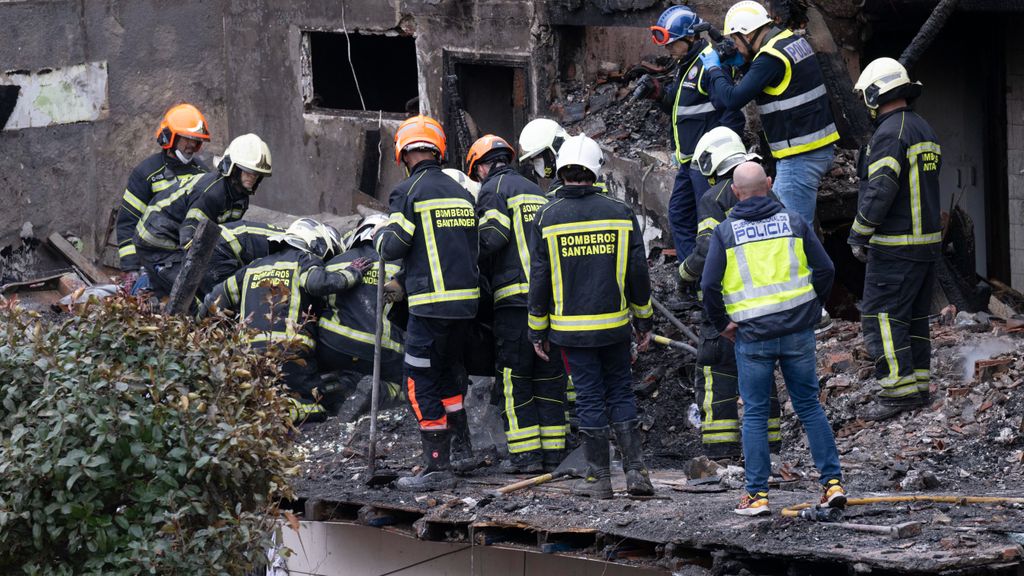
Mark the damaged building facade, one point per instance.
(327, 83)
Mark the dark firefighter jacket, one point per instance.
(433, 229)
(240, 244)
(152, 176)
(348, 322)
(506, 206)
(589, 271)
(898, 205)
(172, 217)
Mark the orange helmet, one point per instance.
(419, 132)
(487, 144)
(182, 120)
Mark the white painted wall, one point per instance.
(58, 96)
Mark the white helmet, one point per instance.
(539, 135)
(881, 76)
(308, 235)
(465, 181)
(745, 17)
(720, 150)
(249, 152)
(365, 229)
(580, 151)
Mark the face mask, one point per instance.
(182, 157)
(539, 167)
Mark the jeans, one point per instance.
(604, 384)
(689, 186)
(756, 363)
(797, 179)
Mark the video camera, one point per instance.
(725, 47)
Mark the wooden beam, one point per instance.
(65, 249)
(192, 271)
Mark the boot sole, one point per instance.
(753, 512)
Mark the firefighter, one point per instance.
(180, 135)
(764, 281)
(165, 231)
(785, 81)
(532, 389)
(348, 323)
(897, 232)
(588, 272)
(716, 155)
(278, 294)
(693, 114)
(240, 244)
(433, 229)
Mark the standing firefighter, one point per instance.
(897, 231)
(533, 389)
(433, 228)
(165, 231)
(588, 272)
(717, 155)
(180, 135)
(693, 114)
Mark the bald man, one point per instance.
(765, 279)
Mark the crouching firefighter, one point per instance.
(717, 154)
(433, 229)
(279, 296)
(898, 233)
(588, 272)
(348, 323)
(164, 233)
(532, 389)
(240, 244)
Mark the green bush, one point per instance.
(132, 443)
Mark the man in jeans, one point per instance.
(764, 281)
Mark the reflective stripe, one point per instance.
(433, 256)
(231, 290)
(496, 215)
(511, 290)
(416, 362)
(799, 278)
(917, 226)
(524, 446)
(538, 322)
(441, 203)
(445, 296)
(887, 162)
(403, 222)
(233, 243)
(278, 336)
(642, 310)
(818, 137)
(720, 437)
(888, 348)
(924, 374)
(707, 224)
(452, 403)
(196, 214)
(590, 226)
(767, 309)
(790, 103)
(590, 321)
(134, 201)
(906, 239)
(126, 250)
(516, 203)
(862, 229)
(695, 110)
(359, 336)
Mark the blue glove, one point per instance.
(735, 61)
(710, 60)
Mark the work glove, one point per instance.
(393, 291)
(710, 60)
(359, 266)
(860, 252)
(735, 61)
(685, 276)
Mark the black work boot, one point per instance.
(552, 458)
(523, 463)
(437, 474)
(725, 451)
(598, 480)
(627, 436)
(463, 459)
(883, 408)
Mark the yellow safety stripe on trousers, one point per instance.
(513, 432)
(585, 322)
(888, 350)
(538, 322)
(707, 224)
(642, 311)
(747, 297)
(719, 425)
(334, 327)
(511, 290)
(497, 216)
(524, 446)
(445, 296)
(887, 162)
(516, 204)
(922, 374)
(126, 250)
(294, 298)
(552, 431)
(862, 229)
(719, 437)
(133, 201)
(708, 422)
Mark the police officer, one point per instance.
(165, 231)
(348, 323)
(717, 154)
(277, 295)
(180, 135)
(588, 273)
(433, 229)
(785, 81)
(532, 389)
(897, 231)
(693, 114)
(240, 244)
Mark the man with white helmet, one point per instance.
(165, 231)
(898, 233)
(717, 155)
(588, 274)
(785, 81)
(239, 245)
(538, 145)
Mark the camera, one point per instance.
(725, 47)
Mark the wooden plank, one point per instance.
(65, 249)
(192, 271)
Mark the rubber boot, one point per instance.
(463, 459)
(627, 436)
(598, 480)
(522, 463)
(551, 459)
(883, 408)
(437, 475)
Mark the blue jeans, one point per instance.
(604, 384)
(797, 179)
(756, 362)
(689, 186)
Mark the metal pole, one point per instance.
(371, 452)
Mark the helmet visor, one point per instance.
(704, 163)
(660, 35)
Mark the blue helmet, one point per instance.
(674, 23)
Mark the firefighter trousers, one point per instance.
(894, 316)
(532, 390)
(433, 369)
(718, 395)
